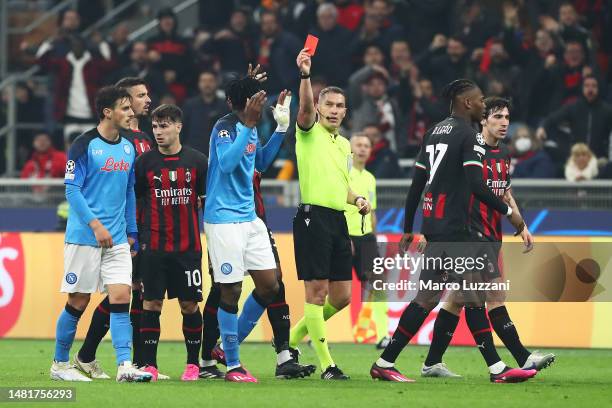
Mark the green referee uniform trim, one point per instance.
(363, 183)
(324, 161)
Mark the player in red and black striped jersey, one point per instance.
(448, 169)
(487, 226)
(170, 180)
(85, 360)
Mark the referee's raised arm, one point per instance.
(307, 113)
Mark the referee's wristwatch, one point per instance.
(304, 76)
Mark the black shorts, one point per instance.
(490, 251)
(136, 278)
(321, 244)
(366, 250)
(177, 273)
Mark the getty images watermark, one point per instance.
(440, 264)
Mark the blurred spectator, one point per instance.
(423, 19)
(77, 78)
(317, 84)
(215, 14)
(377, 27)
(537, 80)
(68, 24)
(350, 13)
(582, 164)
(139, 66)
(170, 52)
(569, 26)
(445, 61)
(383, 163)
(528, 158)
(401, 61)
(276, 55)
(333, 46)
(373, 60)
(475, 27)
(30, 111)
(233, 48)
(119, 43)
(589, 120)
(377, 107)
(46, 162)
(569, 74)
(424, 110)
(201, 112)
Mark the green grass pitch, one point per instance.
(579, 378)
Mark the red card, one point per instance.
(311, 44)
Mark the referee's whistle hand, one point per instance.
(364, 206)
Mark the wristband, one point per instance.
(509, 213)
(304, 76)
(520, 229)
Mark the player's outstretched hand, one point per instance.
(304, 61)
(256, 74)
(103, 237)
(253, 108)
(527, 240)
(281, 111)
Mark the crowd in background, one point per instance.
(393, 57)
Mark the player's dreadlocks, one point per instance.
(456, 88)
(238, 90)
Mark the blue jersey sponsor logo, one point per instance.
(71, 278)
(226, 268)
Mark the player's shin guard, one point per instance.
(228, 326)
(192, 331)
(149, 337)
(476, 318)
(135, 318)
(504, 328)
(121, 331)
(443, 331)
(410, 322)
(313, 316)
(100, 323)
(65, 331)
(278, 314)
(210, 328)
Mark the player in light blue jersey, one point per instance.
(237, 239)
(100, 190)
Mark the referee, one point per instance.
(362, 231)
(320, 234)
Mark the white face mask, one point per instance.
(523, 144)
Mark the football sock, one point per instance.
(381, 319)
(476, 318)
(313, 315)
(252, 310)
(505, 329)
(65, 331)
(100, 323)
(135, 312)
(121, 331)
(149, 337)
(228, 326)
(410, 322)
(192, 331)
(278, 314)
(443, 331)
(210, 327)
(300, 330)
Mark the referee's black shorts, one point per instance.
(366, 250)
(321, 244)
